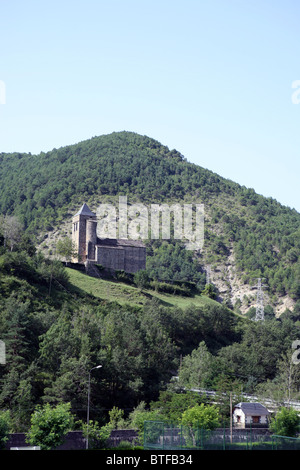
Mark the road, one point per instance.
(271, 405)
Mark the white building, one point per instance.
(250, 415)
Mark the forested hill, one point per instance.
(246, 235)
(41, 187)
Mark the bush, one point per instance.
(170, 288)
(285, 423)
(141, 279)
(49, 425)
(122, 276)
(124, 445)
(97, 436)
(202, 416)
(4, 428)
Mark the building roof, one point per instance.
(119, 242)
(252, 408)
(85, 210)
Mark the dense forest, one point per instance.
(44, 190)
(55, 335)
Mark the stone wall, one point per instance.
(111, 257)
(74, 439)
(119, 435)
(134, 259)
(122, 258)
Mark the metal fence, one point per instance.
(285, 443)
(164, 436)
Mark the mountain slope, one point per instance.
(246, 235)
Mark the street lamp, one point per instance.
(88, 407)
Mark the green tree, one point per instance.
(210, 291)
(197, 369)
(138, 417)
(52, 272)
(285, 423)
(122, 353)
(141, 279)
(170, 261)
(171, 405)
(116, 418)
(257, 354)
(198, 418)
(97, 435)
(66, 249)
(4, 428)
(50, 425)
(202, 416)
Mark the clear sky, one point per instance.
(211, 78)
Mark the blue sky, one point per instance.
(212, 79)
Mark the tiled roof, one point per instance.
(85, 210)
(253, 408)
(119, 242)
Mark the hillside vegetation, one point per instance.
(245, 232)
(117, 291)
(55, 332)
(57, 326)
(57, 323)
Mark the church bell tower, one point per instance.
(80, 235)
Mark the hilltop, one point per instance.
(57, 323)
(246, 235)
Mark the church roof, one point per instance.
(85, 210)
(119, 242)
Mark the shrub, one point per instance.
(4, 428)
(285, 423)
(49, 425)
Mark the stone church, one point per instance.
(113, 254)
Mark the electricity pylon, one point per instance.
(260, 314)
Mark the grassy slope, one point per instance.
(127, 294)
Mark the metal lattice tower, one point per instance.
(260, 315)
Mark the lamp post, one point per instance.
(88, 407)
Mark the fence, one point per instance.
(164, 436)
(285, 443)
